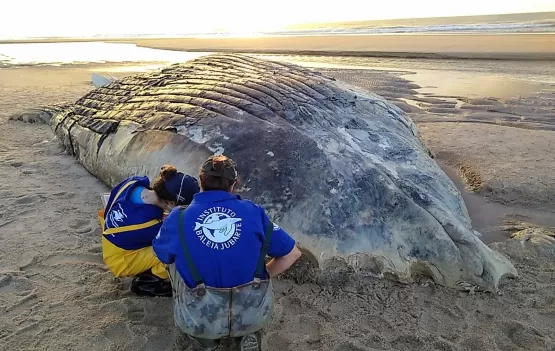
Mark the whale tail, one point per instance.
(197, 226)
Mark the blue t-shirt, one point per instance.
(122, 212)
(224, 235)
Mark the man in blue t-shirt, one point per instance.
(223, 233)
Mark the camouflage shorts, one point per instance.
(221, 313)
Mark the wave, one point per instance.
(530, 27)
(546, 27)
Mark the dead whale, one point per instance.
(341, 169)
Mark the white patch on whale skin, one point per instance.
(376, 159)
(216, 148)
(201, 135)
(333, 191)
(269, 153)
(384, 144)
(198, 134)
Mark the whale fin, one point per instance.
(197, 226)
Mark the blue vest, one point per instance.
(128, 225)
(224, 235)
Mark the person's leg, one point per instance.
(142, 260)
(134, 261)
(151, 277)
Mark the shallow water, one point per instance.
(474, 84)
(86, 52)
(487, 217)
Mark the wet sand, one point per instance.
(530, 46)
(468, 46)
(56, 294)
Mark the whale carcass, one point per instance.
(341, 169)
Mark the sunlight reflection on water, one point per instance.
(87, 52)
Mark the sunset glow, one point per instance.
(245, 17)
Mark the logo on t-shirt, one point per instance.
(116, 217)
(218, 228)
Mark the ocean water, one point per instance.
(86, 52)
(541, 22)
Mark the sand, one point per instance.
(55, 293)
(491, 46)
(528, 46)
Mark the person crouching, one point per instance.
(132, 218)
(215, 250)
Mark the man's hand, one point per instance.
(281, 264)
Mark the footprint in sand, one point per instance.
(475, 342)
(69, 242)
(96, 249)
(524, 336)
(137, 314)
(5, 279)
(274, 341)
(81, 226)
(29, 171)
(16, 292)
(64, 194)
(26, 259)
(67, 258)
(118, 333)
(153, 313)
(309, 328)
(350, 346)
(408, 342)
(158, 341)
(27, 199)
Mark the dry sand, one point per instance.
(55, 293)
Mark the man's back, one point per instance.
(224, 235)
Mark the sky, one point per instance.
(77, 18)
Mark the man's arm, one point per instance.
(282, 249)
(163, 243)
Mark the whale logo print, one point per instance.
(218, 228)
(222, 226)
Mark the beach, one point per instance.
(489, 124)
(469, 46)
(513, 46)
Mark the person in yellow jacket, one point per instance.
(131, 220)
